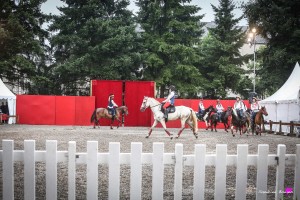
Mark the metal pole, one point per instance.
(254, 41)
(254, 62)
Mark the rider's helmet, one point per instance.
(254, 98)
(238, 97)
(172, 87)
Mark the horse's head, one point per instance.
(210, 108)
(264, 111)
(125, 110)
(145, 104)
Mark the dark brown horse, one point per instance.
(103, 113)
(259, 125)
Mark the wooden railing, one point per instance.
(292, 125)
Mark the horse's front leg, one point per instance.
(151, 129)
(232, 127)
(120, 122)
(165, 128)
(111, 123)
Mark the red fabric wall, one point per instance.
(65, 110)
(36, 109)
(134, 94)
(55, 110)
(84, 108)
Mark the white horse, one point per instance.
(185, 114)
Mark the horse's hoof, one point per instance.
(233, 135)
(171, 138)
(196, 136)
(176, 137)
(147, 136)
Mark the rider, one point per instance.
(201, 109)
(254, 108)
(240, 107)
(219, 109)
(112, 105)
(170, 100)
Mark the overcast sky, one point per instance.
(50, 7)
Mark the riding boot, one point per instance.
(166, 115)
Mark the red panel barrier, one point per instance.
(65, 110)
(83, 110)
(134, 94)
(55, 110)
(36, 109)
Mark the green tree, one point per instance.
(170, 34)
(222, 61)
(278, 22)
(22, 41)
(94, 40)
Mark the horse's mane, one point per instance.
(154, 100)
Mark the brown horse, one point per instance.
(259, 125)
(103, 113)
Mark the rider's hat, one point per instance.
(172, 87)
(254, 98)
(238, 96)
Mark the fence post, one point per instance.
(136, 171)
(114, 171)
(270, 122)
(158, 171)
(8, 169)
(262, 171)
(29, 169)
(51, 169)
(280, 127)
(291, 128)
(281, 149)
(297, 174)
(199, 171)
(72, 170)
(220, 174)
(178, 171)
(92, 170)
(241, 172)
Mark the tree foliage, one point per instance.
(278, 22)
(170, 33)
(22, 41)
(220, 50)
(94, 40)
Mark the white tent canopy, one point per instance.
(6, 94)
(284, 104)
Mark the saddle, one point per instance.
(171, 109)
(110, 111)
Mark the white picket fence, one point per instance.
(114, 158)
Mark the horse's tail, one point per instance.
(195, 122)
(93, 117)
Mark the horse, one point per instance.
(258, 124)
(104, 113)
(205, 115)
(185, 114)
(225, 118)
(240, 124)
(212, 118)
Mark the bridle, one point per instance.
(145, 101)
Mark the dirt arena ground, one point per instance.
(126, 135)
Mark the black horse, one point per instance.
(212, 118)
(241, 123)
